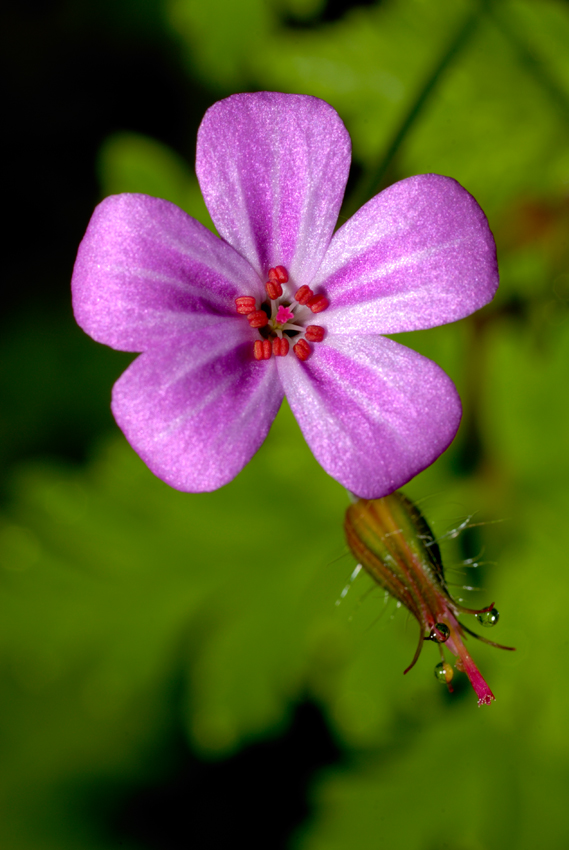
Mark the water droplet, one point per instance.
(488, 618)
(440, 633)
(444, 672)
(443, 631)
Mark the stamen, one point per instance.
(274, 289)
(280, 320)
(279, 273)
(258, 319)
(281, 346)
(290, 326)
(245, 304)
(314, 333)
(262, 349)
(303, 294)
(302, 350)
(317, 303)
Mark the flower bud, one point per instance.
(394, 544)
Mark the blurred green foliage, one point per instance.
(129, 162)
(118, 592)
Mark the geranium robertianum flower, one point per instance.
(282, 304)
(393, 542)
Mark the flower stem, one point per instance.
(532, 63)
(371, 184)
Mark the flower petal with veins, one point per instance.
(374, 412)
(419, 254)
(196, 410)
(147, 272)
(273, 169)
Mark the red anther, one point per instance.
(258, 319)
(281, 346)
(303, 294)
(262, 349)
(281, 274)
(274, 289)
(245, 304)
(314, 333)
(302, 349)
(317, 303)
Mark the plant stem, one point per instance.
(531, 62)
(372, 183)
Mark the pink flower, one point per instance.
(282, 304)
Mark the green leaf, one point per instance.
(221, 36)
(525, 407)
(129, 162)
(492, 126)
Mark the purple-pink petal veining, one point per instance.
(197, 410)
(273, 169)
(147, 272)
(374, 412)
(197, 403)
(417, 255)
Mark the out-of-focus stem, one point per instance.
(371, 184)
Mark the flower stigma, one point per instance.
(283, 317)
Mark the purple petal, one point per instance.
(373, 412)
(417, 255)
(273, 169)
(197, 411)
(147, 272)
